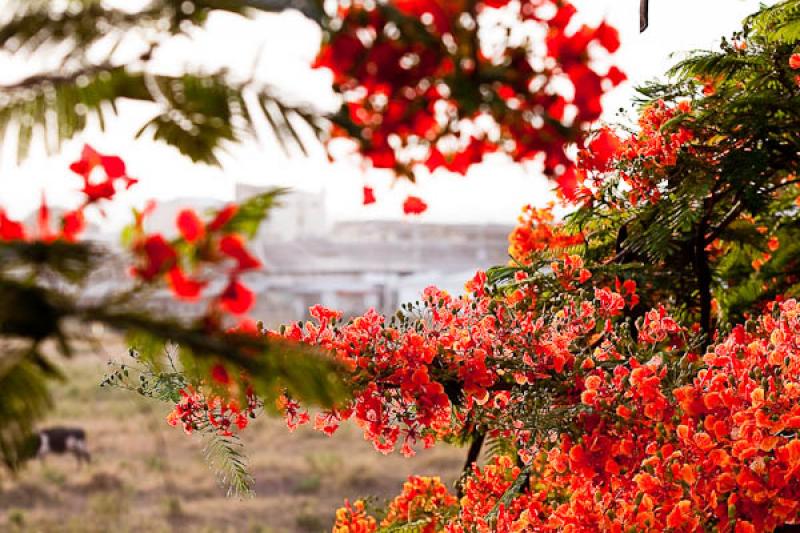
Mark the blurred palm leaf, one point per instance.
(197, 113)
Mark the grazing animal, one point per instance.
(61, 440)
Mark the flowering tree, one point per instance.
(635, 366)
(636, 361)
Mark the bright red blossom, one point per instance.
(369, 196)
(159, 256)
(414, 205)
(184, 287)
(10, 230)
(404, 102)
(236, 299)
(190, 226)
(112, 166)
(233, 246)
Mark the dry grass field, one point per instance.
(148, 476)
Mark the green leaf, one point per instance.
(225, 455)
(253, 211)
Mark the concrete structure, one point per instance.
(354, 265)
(350, 265)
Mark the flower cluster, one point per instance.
(102, 176)
(442, 84)
(424, 501)
(720, 450)
(353, 518)
(640, 159)
(196, 411)
(201, 246)
(538, 231)
(420, 376)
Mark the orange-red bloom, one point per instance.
(414, 205)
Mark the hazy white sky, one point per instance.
(288, 42)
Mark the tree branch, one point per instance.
(472, 456)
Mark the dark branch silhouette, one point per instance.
(644, 14)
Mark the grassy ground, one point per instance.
(148, 476)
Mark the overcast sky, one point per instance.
(491, 192)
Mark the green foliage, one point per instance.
(42, 300)
(512, 492)
(272, 365)
(147, 378)
(225, 455)
(197, 113)
(161, 371)
(253, 211)
(24, 399)
(499, 446)
(777, 24)
(730, 190)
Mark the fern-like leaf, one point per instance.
(225, 455)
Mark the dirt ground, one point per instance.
(148, 476)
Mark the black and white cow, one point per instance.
(61, 440)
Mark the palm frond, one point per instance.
(253, 211)
(24, 400)
(717, 65)
(225, 455)
(195, 113)
(499, 446)
(198, 113)
(777, 24)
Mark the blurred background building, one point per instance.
(354, 265)
(351, 266)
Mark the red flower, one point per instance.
(236, 298)
(113, 167)
(88, 161)
(608, 37)
(43, 222)
(568, 183)
(99, 191)
(773, 243)
(414, 206)
(223, 217)
(220, 374)
(615, 76)
(563, 16)
(10, 230)
(72, 224)
(794, 61)
(183, 287)
(602, 150)
(232, 246)
(382, 157)
(369, 195)
(159, 257)
(394, 85)
(191, 227)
